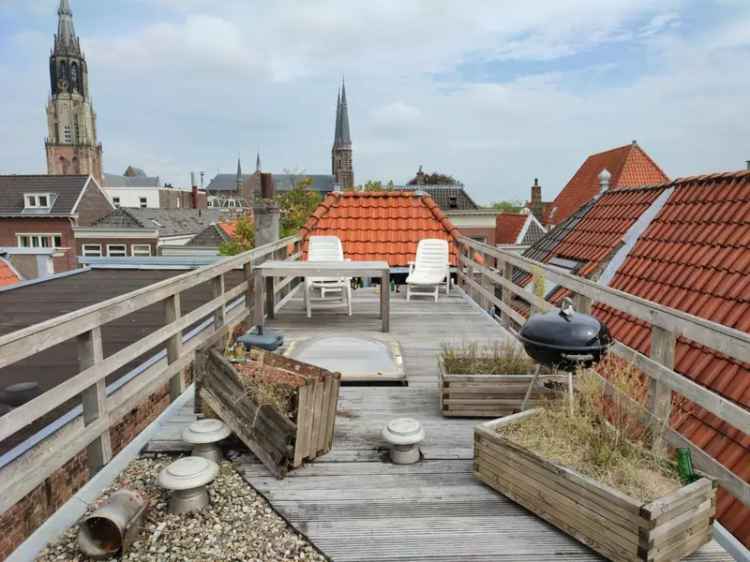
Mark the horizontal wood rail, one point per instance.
(90, 431)
(495, 270)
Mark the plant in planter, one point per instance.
(489, 380)
(592, 474)
(283, 410)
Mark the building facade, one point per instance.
(71, 145)
(42, 211)
(341, 153)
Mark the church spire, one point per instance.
(257, 162)
(239, 174)
(345, 138)
(341, 153)
(66, 39)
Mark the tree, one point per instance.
(435, 178)
(374, 185)
(507, 206)
(297, 205)
(243, 239)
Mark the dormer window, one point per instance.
(453, 202)
(37, 200)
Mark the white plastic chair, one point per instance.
(431, 270)
(327, 248)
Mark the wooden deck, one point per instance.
(355, 506)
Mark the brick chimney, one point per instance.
(194, 191)
(535, 205)
(266, 213)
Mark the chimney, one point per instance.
(604, 177)
(747, 164)
(266, 213)
(266, 186)
(420, 176)
(535, 205)
(194, 191)
(536, 192)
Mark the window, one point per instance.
(39, 240)
(116, 201)
(67, 135)
(140, 250)
(93, 250)
(142, 202)
(117, 250)
(453, 202)
(38, 200)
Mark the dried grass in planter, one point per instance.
(506, 358)
(603, 437)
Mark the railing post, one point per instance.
(93, 399)
(174, 345)
(507, 293)
(485, 282)
(659, 395)
(217, 285)
(249, 293)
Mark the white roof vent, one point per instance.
(604, 177)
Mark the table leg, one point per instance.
(259, 314)
(385, 299)
(270, 305)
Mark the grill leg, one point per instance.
(531, 386)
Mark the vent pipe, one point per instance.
(604, 177)
(747, 164)
(266, 186)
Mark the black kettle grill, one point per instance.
(566, 339)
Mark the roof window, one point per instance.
(38, 200)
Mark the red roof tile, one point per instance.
(381, 225)
(629, 165)
(693, 256)
(8, 274)
(508, 226)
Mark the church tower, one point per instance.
(71, 146)
(341, 154)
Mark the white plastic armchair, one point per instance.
(430, 270)
(327, 248)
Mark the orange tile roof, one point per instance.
(381, 225)
(8, 274)
(508, 226)
(629, 165)
(694, 256)
(229, 228)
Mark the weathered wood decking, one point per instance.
(356, 507)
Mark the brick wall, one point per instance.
(93, 206)
(21, 520)
(10, 227)
(487, 233)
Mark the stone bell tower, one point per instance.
(71, 145)
(341, 153)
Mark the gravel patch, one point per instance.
(239, 525)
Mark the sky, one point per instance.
(492, 92)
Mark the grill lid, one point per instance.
(550, 337)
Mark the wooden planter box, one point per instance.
(279, 442)
(610, 522)
(490, 396)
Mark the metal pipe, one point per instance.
(113, 527)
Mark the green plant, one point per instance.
(505, 358)
(297, 205)
(242, 240)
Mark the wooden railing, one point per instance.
(100, 412)
(479, 280)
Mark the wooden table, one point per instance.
(332, 269)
